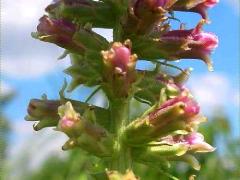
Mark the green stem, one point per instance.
(121, 160)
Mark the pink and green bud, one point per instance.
(119, 57)
(194, 142)
(198, 6)
(83, 133)
(194, 44)
(119, 69)
(60, 32)
(77, 127)
(180, 114)
(70, 121)
(190, 107)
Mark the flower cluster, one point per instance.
(168, 130)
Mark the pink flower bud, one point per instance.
(191, 107)
(193, 138)
(202, 7)
(195, 44)
(198, 7)
(119, 57)
(66, 123)
(59, 27)
(70, 121)
(210, 3)
(194, 141)
(58, 31)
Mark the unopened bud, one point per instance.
(58, 31)
(119, 57)
(44, 111)
(70, 121)
(190, 44)
(198, 6)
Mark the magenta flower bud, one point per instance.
(202, 7)
(193, 43)
(59, 27)
(210, 3)
(193, 138)
(66, 123)
(194, 141)
(198, 6)
(191, 107)
(119, 57)
(180, 114)
(58, 31)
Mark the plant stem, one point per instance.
(121, 160)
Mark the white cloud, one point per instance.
(5, 88)
(213, 90)
(236, 99)
(34, 59)
(107, 33)
(31, 67)
(235, 4)
(22, 12)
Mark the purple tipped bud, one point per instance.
(58, 31)
(195, 44)
(43, 111)
(59, 27)
(199, 6)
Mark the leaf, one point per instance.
(146, 48)
(84, 71)
(149, 88)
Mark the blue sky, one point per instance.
(30, 67)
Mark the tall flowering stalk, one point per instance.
(165, 132)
